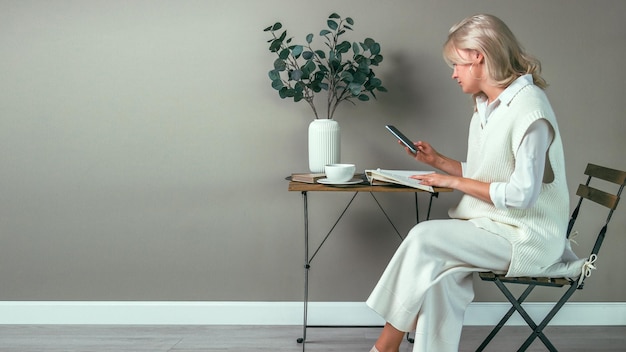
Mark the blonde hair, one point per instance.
(505, 58)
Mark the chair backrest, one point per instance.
(603, 198)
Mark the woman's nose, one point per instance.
(454, 73)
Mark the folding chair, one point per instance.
(607, 200)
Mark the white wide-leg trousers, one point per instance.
(428, 285)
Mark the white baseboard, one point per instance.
(277, 313)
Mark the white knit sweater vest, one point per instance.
(537, 234)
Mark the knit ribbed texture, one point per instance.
(537, 234)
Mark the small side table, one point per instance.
(304, 188)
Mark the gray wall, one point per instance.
(143, 151)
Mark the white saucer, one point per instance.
(353, 181)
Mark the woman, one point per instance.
(513, 214)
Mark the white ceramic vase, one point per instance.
(324, 144)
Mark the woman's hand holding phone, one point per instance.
(402, 138)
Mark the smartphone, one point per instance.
(407, 142)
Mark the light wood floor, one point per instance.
(70, 338)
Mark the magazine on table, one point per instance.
(398, 177)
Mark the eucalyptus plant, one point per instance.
(344, 69)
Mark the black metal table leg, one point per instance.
(307, 266)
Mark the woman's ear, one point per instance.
(478, 57)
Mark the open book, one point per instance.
(399, 177)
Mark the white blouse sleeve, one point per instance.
(523, 188)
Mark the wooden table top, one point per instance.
(360, 187)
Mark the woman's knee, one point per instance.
(422, 235)
(432, 236)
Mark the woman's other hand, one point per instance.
(436, 180)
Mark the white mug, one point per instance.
(339, 172)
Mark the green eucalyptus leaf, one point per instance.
(274, 75)
(375, 49)
(307, 55)
(324, 32)
(350, 21)
(343, 47)
(282, 93)
(309, 38)
(280, 65)
(350, 69)
(369, 42)
(359, 78)
(381, 89)
(267, 29)
(284, 54)
(277, 26)
(298, 92)
(282, 36)
(375, 82)
(275, 46)
(363, 97)
(364, 66)
(348, 27)
(334, 15)
(277, 84)
(346, 76)
(355, 88)
(332, 25)
(295, 75)
(356, 48)
(319, 76)
(296, 51)
(321, 54)
(302, 86)
(309, 67)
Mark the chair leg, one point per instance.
(409, 338)
(516, 306)
(505, 318)
(538, 331)
(531, 323)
